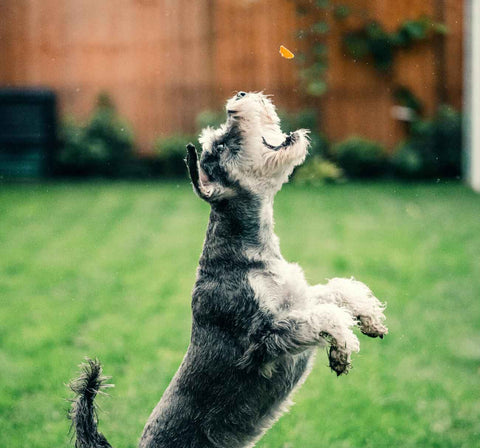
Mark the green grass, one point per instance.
(106, 270)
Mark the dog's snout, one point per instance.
(241, 95)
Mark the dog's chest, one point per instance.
(280, 286)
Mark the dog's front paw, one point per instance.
(299, 135)
(373, 326)
(366, 308)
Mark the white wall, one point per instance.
(472, 93)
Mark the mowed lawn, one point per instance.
(106, 270)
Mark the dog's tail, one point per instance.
(83, 413)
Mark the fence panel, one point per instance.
(163, 61)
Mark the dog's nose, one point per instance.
(240, 95)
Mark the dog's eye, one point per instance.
(220, 148)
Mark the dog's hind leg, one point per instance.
(356, 297)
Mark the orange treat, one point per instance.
(286, 53)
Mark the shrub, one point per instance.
(359, 157)
(433, 149)
(170, 154)
(406, 161)
(73, 156)
(108, 137)
(318, 171)
(101, 147)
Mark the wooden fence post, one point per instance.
(472, 94)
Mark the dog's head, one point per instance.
(249, 152)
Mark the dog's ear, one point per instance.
(205, 189)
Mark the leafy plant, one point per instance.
(73, 153)
(407, 161)
(99, 147)
(108, 137)
(370, 42)
(170, 154)
(314, 63)
(373, 42)
(406, 98)
(318, 171)
(434, 147)
(359, 157)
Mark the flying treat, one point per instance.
(286, 53)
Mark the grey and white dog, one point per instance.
(256, 322)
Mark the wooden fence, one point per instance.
(164, 61)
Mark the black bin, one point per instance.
(28, 132)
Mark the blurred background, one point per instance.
(391, 74)
(100, 232)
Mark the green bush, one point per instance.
(318, 171)
(100, 147)
(170, 153)
(406, 161)
(359, 157)
(374, 42)
(433, 149)
(72, 155)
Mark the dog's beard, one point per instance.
(267, 151)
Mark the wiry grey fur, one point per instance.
(256, 323)
(83, 412)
